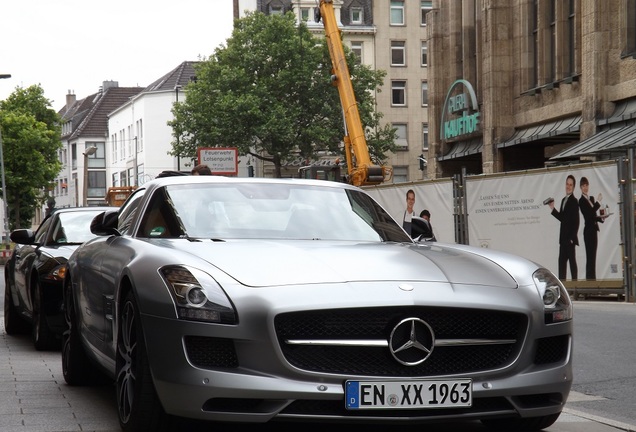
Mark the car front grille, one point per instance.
(503, 331)
(552, 349)
(209, 352)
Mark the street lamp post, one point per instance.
(5, 219)
(89, 151)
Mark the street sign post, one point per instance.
(221, 160)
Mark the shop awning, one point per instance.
(558, 130)
(617, 132)
(608, 140)
(463, 148)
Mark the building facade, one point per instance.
(387, 35)
(524, 84)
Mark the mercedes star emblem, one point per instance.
(412, 341)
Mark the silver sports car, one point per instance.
(250, 300)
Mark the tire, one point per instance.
(43, 338)
(138, 406)
(521, 424)
(76, 366)
(13, 324)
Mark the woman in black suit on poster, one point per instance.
(589, 206)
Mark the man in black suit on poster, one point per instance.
(568, 215)
(589, 206)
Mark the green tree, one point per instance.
(31, 141)
(269, 93)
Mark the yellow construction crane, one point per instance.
(361, 171)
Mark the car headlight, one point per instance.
(198, 296)
(57, 274)
(557, 306)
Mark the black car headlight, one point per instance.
(557, 306)
(198, 296)
(57, 274)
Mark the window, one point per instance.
(131, 148)
(397, 12)
(570, 67)
(425, 7)
(140, 135)
(97, 159)
(398, 56)
(356, 48)
(123, 178)
(356, 15)
(425, 137)
(304, 14)
(275, 9)
(400, 174)
(424, 53)
(398, 93)
(550, 58)
(122, 148)
(401, 136)
(424, 93)
(534, 45)
(115, 179)
(630, 45)
(96, 184)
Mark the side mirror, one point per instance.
(105, 223)
(23, 236)
(421, 230)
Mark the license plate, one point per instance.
(409, 394)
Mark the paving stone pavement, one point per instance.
(35, 398)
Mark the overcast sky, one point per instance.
(77, 44)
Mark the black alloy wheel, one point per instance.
(138, 406)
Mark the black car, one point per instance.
(34, 273)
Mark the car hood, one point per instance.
(270, 263)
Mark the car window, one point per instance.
(159, 219)
(73, 227)
(279, 211)
(128, 211)
(40, 233)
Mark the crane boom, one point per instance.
(361, 171)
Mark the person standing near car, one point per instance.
(409, 212)
(568, 215)
(426, 215)
(589, 206)
(201, 169)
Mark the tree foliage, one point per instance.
(31, 141)
(269, 93)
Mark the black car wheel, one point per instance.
(76, 366)
(13, 324)
(138, 406)
(43, 338)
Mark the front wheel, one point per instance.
(138, 406)
(13, 324)
(43, 338)
(76, 366)
(531, 424)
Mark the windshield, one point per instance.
(267, 211)
(74, 227)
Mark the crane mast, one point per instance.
(361, 171)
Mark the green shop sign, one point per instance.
(462, 107)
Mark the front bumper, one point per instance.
(259, 385)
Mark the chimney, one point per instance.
(109, 84)
(70, 99)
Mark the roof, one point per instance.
(181, 75)
(89, 116)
